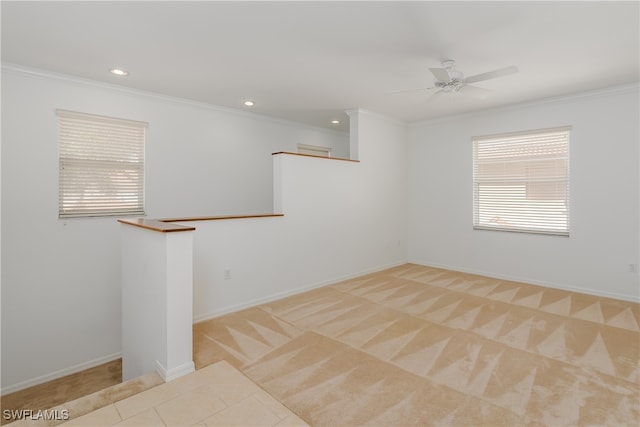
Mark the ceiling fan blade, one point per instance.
(440, 74)
(475, 91)
(492, 74)
(410, 90)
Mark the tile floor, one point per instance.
(217, 395)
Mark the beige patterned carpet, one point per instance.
(419, 346)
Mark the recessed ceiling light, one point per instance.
(335, 122)
(249, 103)
(119, 72)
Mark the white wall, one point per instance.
(341, 219)
(61, 279)
(604, 185)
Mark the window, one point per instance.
(314, 150)
(101, 166)
(521, 182)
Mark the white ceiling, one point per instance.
(311, 61)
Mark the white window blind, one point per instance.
(101, 170)
(521, 182)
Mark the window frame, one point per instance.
(115, 172)
(552, 178)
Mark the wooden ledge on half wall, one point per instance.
(166, 225)
(313, 155)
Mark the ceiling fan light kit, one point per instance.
(451, 80)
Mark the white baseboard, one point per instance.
(563, 287)
(59, 374)
(173, 373)
(279, 295)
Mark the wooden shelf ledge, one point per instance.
(166, 225)
(155, 225)
(313, 155)
(220, 217)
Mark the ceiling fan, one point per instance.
(450, 80)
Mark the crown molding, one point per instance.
(592, 94)
(67, 78)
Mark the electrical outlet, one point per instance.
(227, 274)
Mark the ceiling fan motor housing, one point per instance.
(456, 78)
(453, 85)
